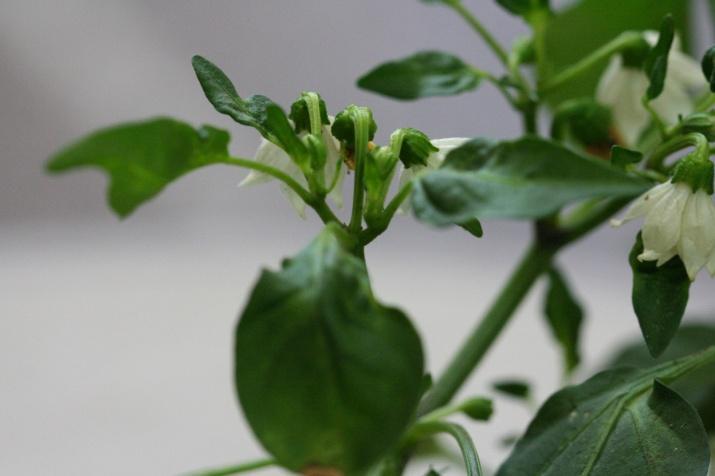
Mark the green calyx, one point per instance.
(309, 113)
(697, 171)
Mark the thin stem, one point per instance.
(621, 42)
(317, 204)
(657, 119)
(469, 452)
(476, 25)
(693, 139)
(374, 231)
(706, 102)
(361, 121)
(240, 468)
(498, 84)
(533, 264)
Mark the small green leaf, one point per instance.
(222, 94)
(708, 64)
(565, 316)
(473, 227)
(428, 73)
(514, 388)
(326, 375)
(698, 387)
(660, 296)
(141, 158)
(621, 422)
(656, 64)
(622, 157)
(528, 178)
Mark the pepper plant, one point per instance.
(332, 381)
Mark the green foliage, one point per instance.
(708, 64)
(526, 178)
(603, 20)
(660, 296)
(621, 422)
(514, 388)
(622, 157)
(300, 112)
(141, 158)
(564, 315)
(656, 64)
(424, 74)
(326, 375)
(478, 408)
(524, 8)
(698, 387)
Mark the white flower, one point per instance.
(435, 159)
(622, 89)
(677, 222)
(270, 154)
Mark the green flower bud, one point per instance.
(317, 151)
(343, 127)
(300, 111)
(414, 146)
(583, 120)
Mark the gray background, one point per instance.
(115, 337)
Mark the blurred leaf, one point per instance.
(424, 74)
(141, 158)
(326, 375)
(656, 64)
(473, 227)
(708, 64)
(660, 296)
(477, 408)
(583, 120)
(524, 8)
(524, 179)
(566, 42)
(622, 157)
(564, 315)
(697, 387)
(514, 388)
(621, 422)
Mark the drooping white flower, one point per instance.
(679, 222)
(622, 88)
(434, 160)
(270, 154)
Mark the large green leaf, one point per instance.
(660, 296)
(698, 387)
(656, 64)
(621, 422)
(526, 178)
(602, 20)
(326, 375)
(424, 74)
(141, 158)
(564, 315)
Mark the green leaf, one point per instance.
(698, 387)
(621, 422)
(221, 93)
(473, 227)
(424, 74)
(326, 375)
(527, 178)
(656, 64)
(622, 157)
(708, 64)
(513, 388)
(604, 20)
(564, 315)
(524, 8)
(660, 296)
(141, 158)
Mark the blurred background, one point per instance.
(115, 336)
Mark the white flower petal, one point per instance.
(661, 228)
(642, 205)
(333, 163)
(685, 70)
(698, 232)
(270, 154)
(296, 202)
(673, 102)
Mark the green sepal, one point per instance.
(622, 157)
(415, 146)
(477, 408)
(696, 171)
(708, 65)
(660, 295)
(656, 64)
(424, 74)
(584, 120)
(343, 127)
(564, 315)
(317, 151)
(141, 158)
(300, 112)
(326, 375)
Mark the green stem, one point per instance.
(693, 139)
(533, 264)
(466, 445)
(240, 468)
(317, 204)
(374, 231)
(657, 119)
(362, 125)
(621, 42)
(476, 25)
